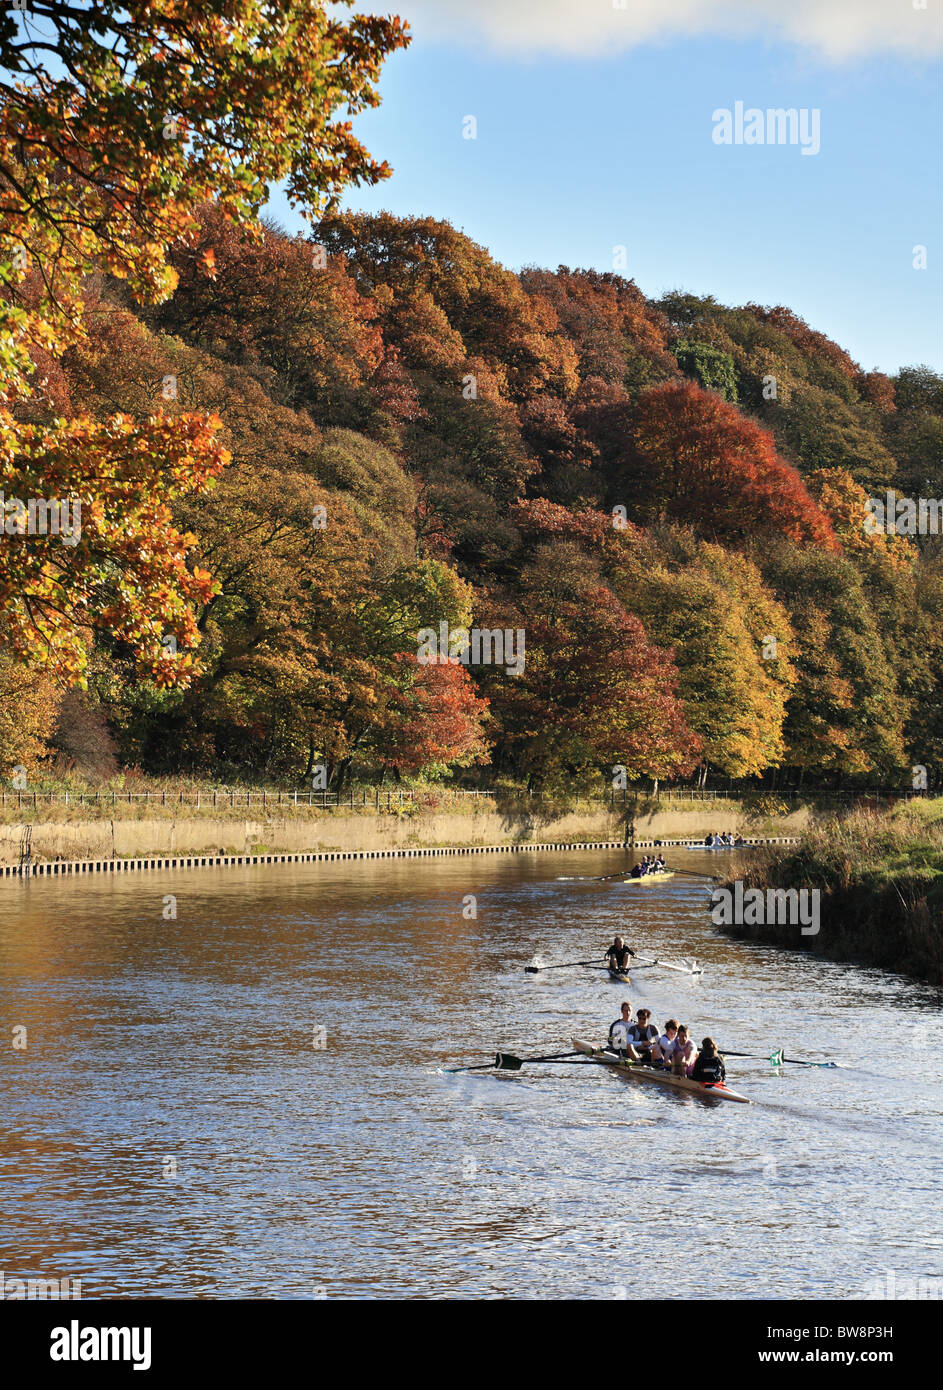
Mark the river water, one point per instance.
(246, 1101)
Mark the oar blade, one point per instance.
(505, 1061)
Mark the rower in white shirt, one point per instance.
(684, 1053)
(663, 1047)
(642, 1037)
(619, 1031)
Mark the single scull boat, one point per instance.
(719, 1091)
(620, 976)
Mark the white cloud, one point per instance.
(835, 29)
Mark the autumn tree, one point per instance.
(595, 691)
(434, 719)
(845, 714)
(29, 708)
(117, 123)
(444, 299)
(618, 335)
(820, 430)
(845, 503)
(694, 458)
(732, 642)
(270, 301)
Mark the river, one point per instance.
(246, 1101)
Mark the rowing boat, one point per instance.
(651, 878)
(719, 1091)
(620, 977)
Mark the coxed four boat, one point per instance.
(718, 1091)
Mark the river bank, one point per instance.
(880, 880)
(126, 833)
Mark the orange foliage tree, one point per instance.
(148, 109)
(698, 460)
(435, 718)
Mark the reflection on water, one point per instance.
(174, 1128)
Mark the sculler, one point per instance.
(619, 955)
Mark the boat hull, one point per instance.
(651, 878)
(660, 1078)
(620, 977)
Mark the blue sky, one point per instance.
(576, 155)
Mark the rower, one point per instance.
(709, 1066)
(642, 1037)
(618, 956)
(683, 1052)
(619, 1031)
(663, 1047)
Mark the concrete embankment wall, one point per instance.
(208, 835)
(213, 836)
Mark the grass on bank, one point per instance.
(881, 879)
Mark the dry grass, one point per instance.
(880, 875)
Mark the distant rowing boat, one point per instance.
(719, 1091)
(651, 878)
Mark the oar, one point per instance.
(664, 965)
(777, 1059)
(536, 969)
(506, 1061)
